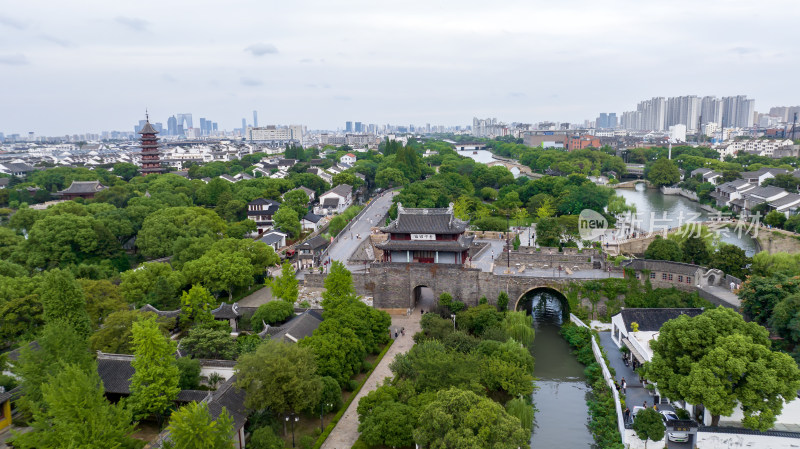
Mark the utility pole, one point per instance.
(794, 125)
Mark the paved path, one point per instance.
(360, 230)
(257, 298)
(345, 433)
(636, 394)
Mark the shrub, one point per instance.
(365, 366)
(352, 385)
(272, 313)
(189, 373)
(265, 438)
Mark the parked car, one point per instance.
(677, 437)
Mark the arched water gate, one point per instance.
(544, 300)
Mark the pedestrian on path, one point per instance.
(627, 415)
(623, 384)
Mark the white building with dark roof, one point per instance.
(261, 210)
(335, 200)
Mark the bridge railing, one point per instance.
(598, 357)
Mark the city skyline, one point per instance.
(323, 64)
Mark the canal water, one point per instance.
(482, 156)
(562, 416)
(654, 211)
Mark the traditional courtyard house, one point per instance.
(274, 239)
(81, 189)
(309, 193)
(635, 328)
(311, 222)
(425, 236)
(261, 211)
(310, 252)
(297, 328)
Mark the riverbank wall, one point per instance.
(688, 194)
(598, 357)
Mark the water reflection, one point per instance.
(656, 210)
(562, 416)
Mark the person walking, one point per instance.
(627, 415)
(623, 384)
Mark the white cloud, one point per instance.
(261, 49)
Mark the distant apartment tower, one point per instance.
(737, 112)
(203, 126)
(255, 119)
(348, 127)
(151, 160)
(244, 127)
(172, 126)
(711, 110)
(606, 121)
(359, 128)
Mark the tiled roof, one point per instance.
(192, 395)
(785, 200)
(314, 243)
(651, 320)
(313, 218)
(115, 371)
(4, 181)
(342, 190)
(232, 399)
(330, 202)
(425, 221)
(162, 313)
(299, 327)
(83, 187)
(463, 243)
(663, 266)
(766, 192)
(226, 311)
(272, 237)
(148, 129)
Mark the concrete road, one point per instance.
(360, 229)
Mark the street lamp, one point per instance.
(453, 316)
(321, 409)
(293, 418)
(508, 246)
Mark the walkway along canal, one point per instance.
(562, 415)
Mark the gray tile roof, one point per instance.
(463, 243)
(314, 243)
(162, 313)
(226, 311)
(785, 200)
(766, 192)
(272, 237)
(13, 356)
(651, 320)
(312, 217)
(342, 190)
(4, 181)
(83, 187)
(148, 129)
(231, 399)
(299, 327)
(330, 202)
(192, 395)
(762, 171)
(115, 371)
(663, 266)
(425, 221)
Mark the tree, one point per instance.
(287, 220)
(154, 384)
(775, 219)
(285, 285)
(338, 350)
(20, 318)
(138, 287)
(116, 335)
(220, 271)
(785, 318)
(522, 410)
(479, 318)
(519, 326)
(264, 438)
(76, 414)
(59, 239)
(502, 301)
(63, 301)
(102, 299)
(390, 424)
(162, 228)
(189, 369)
(126, 170)
(695, 251)
(649, 425)
(760, 295)
(390, 177)
(663, 249)
(548, 232)
(279, 376)
(338, 284)
(192, 427)
(731, 260)
(711, 359)
(58, 345)
(271, 313)
(664, 172)
(259, 254)
(546, 208)
(210, 342)
(461, 419)
(195, 306)
(297, 200)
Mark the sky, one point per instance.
(86, 66)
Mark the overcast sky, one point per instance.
(86, 66)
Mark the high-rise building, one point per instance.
(185, 120)
(612, 120)
(359, 127)
(737, 112)
(202, 126)
(151, 161)
(255, 119)
(172, 126)
(711, 110)
(348, 127)
(602, 121)
(244, 127)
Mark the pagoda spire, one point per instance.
(151, 160)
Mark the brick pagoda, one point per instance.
(151, 161)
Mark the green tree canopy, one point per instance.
(116, 335)
(695, 251)
(279, 376)
(663, 172)
(63, 301)
(649, 425)
(731, 260)
(196, 305)
(210, 342)
(664, 249)
(285, 285)
(162, 228)
(459, 419)
(271, 313)
(718, 360)
(154, 385)
(75, 413)
(192, 427)
(287, 220)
